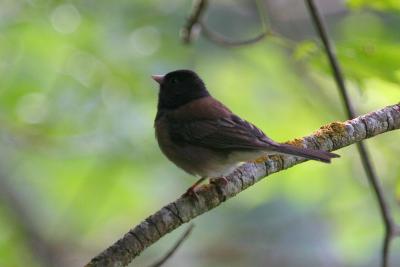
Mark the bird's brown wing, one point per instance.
(220, 133)
(208, 123)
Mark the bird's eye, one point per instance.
(174, 80)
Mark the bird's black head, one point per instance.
(178, 88)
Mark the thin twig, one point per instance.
(224, 41)
(194, 19)
(44, 251)
(174, 248)
(390, 226)
(199, 6)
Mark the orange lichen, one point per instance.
(332, 130)
(261, 159)
(296, 142)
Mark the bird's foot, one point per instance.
(219, 180)
(191, 191)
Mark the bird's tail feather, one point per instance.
(307, 153)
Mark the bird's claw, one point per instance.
(191, 192)
(219, 180)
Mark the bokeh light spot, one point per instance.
(65, 18)
(145, 41)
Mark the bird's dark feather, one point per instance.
(220, 133)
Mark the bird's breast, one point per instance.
(196, 160)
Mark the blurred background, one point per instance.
(79, 164)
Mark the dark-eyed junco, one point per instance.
(203, 137)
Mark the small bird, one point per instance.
(203, 137)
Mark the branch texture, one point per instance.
(329, 137)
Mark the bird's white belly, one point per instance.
(219, 169)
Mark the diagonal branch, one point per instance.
(390, 226)
(44, 251)
(329, 137)
(199, 6)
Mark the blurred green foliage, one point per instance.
(384, 5)
(77, 143)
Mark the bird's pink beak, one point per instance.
(158, 78)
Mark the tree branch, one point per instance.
(329, 137)
(223, 41)
(389, 223)
(199, 6)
